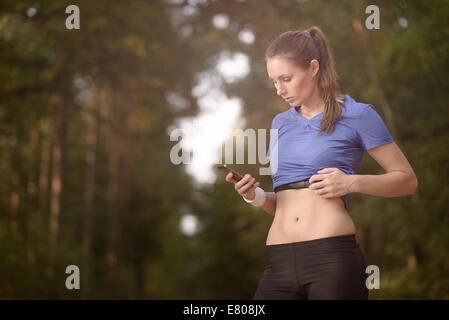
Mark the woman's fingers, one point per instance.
(247, 185)
(241, 185)
(229, 177)
(253, 187)
(251, 193)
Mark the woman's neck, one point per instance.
(312, 107)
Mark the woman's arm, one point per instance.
(400, 179)
(392, 184)
(270, 202)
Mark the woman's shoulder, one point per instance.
(354, 109)
(279, 118)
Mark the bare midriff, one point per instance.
(303, 215)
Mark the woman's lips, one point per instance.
(289, 99)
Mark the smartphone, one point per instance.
(226, 169)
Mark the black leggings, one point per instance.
(326, 268)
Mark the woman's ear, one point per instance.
(315, 67)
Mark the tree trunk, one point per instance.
(33, 191)
(57, 180)
(114, 142)
(92, 127)
(47, 147)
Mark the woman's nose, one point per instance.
(280, 90)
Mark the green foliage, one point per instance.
(116, 71)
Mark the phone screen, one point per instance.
(226, 169)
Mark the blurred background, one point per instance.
(85, 120)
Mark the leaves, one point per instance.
(119, 68)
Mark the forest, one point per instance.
(86, 114)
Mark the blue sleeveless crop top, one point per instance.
(301, 152)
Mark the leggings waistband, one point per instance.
(349, 239)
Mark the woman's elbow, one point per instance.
(413, 184)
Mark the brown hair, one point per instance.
(302, 47)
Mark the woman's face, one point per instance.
(294, 84)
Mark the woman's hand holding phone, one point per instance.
(245, 187)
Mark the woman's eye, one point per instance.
(285, 80)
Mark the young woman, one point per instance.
(311, 249)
